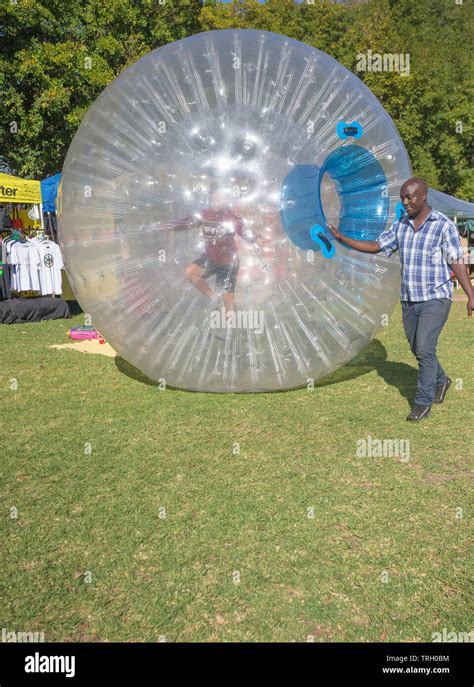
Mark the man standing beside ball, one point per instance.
(429, 248)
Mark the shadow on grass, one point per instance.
(133, 372)
(399, 375)
(74, 308)
(374, 357)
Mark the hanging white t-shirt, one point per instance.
(6, 250)
(6, 246)
(51, 280)
(26, 261)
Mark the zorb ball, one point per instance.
(194, 204)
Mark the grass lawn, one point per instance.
(136, 520)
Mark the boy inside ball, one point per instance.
(219, 226)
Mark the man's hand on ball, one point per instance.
(470, 306)
(337, 234)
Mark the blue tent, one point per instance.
(449, 205)
(49, 191)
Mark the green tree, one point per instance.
(435, 116)
(57, 56)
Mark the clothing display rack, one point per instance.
(33, 264)
(30, 278)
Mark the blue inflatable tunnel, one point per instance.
(362, 188)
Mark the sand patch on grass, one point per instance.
(89, 346)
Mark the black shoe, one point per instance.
(419, 413)
(441, 391)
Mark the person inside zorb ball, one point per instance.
(219, 226)
(194, 208)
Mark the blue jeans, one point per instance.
(423, 322)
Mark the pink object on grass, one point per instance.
(81, 335)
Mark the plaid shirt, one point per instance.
(424, 255)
